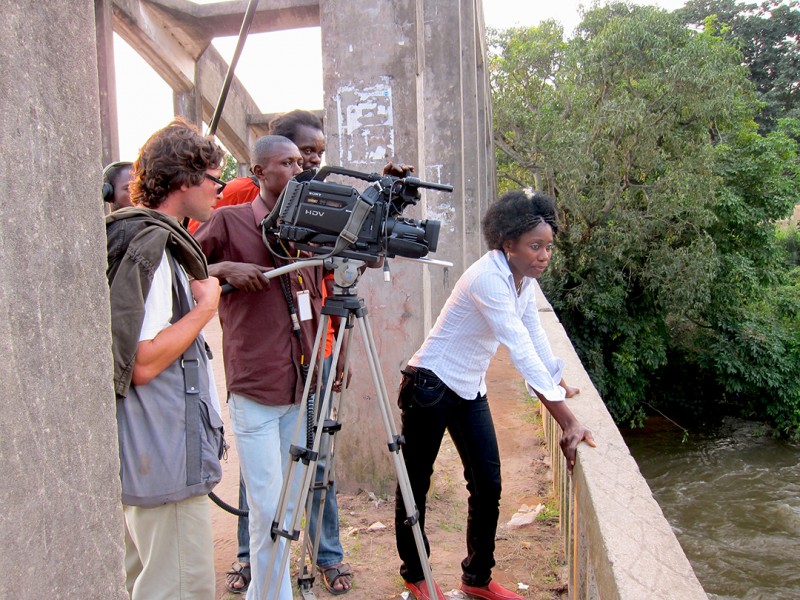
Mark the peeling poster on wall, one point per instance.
(366, 123)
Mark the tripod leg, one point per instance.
(324, 516)
(395, 448)
(326, 421)
(316, 493)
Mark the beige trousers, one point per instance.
(169, 551)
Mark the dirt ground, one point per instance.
(529, 559)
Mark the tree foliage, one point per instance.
(668, 277)
(768, 34)
(230, 168)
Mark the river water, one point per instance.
(732, 496)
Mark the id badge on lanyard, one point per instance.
(304, 305)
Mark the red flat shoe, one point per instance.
(493, 591)
(420, 590)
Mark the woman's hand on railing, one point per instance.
(570, 438)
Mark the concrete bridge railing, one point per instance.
(618, 543)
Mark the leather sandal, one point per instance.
(330, 575)
(240, 574)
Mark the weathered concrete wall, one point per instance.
(618, 543)
(61, 529)
(402, 87)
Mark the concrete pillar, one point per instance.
(396, 90)
(455, 102)
(61, 521)
(370, 90)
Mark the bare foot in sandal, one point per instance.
(237, 580)
(337, 579)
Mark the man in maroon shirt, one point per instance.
(264, 360)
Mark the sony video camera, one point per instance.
(338, 220)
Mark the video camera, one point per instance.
(338, 220)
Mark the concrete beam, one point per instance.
(225, 18)
(188, 106)
(233, 129)
(372, 117)
(146, 31)
(179, 49)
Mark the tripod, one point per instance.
(302, 461)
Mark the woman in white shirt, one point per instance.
(443, 386)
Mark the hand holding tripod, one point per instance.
(321, 420)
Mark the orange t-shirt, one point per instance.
(331, 336)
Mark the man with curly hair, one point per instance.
(170, 431)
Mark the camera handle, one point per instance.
(322, 173)
(329, 169)
(302, 461)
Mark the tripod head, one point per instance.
(346, 272)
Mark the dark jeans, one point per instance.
(428, 408)
(243, 527)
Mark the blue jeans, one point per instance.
(330, 551)
(263, 437)
(428, 408)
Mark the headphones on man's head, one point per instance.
(108, 187)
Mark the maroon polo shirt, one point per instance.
(262, 356)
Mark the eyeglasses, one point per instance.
(219, 182)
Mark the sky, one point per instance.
(144, 101)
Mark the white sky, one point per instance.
(144, 101)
